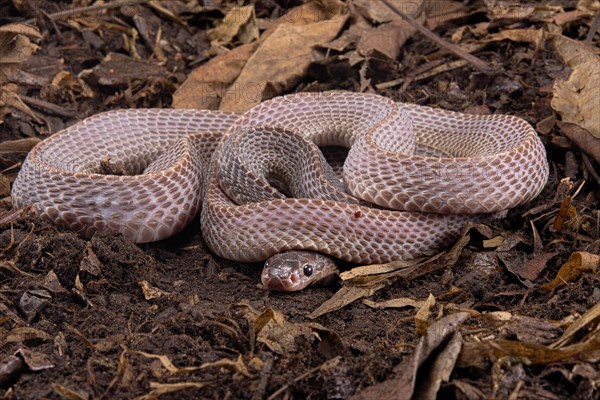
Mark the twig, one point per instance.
(89, 9)
(593, 28)
(478, 64)
(48, 107)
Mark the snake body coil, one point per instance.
(439, 167)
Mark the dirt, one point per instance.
(116, 308)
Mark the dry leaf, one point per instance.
(167, 363)
(206, 85)
(151, 292)
(240, 22)
(443, 343)
(422, 316)
(279, 63)
(586, 319)
(24, 333)
(349, 294)
(578, 263)
(386, 39)
(279, 335)
(576, 99)
(480, 354)
(394, 303)
(68, 393)
(234, 366)
(17, 146)
(378, 12)
(35, 361)
(513, 10)
(90, 262)
(533, 36)
(158, 389)
(582, 138)
(15, 47)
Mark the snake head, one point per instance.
(294, 270)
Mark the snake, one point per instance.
(413, 177)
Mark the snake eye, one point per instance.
(308, 270)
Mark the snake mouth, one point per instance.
(288, 283)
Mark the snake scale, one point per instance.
(263, 187)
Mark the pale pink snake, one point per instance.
(440, 166)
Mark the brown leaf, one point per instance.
(206, 85)
(387, 39)
(586, 319)
(576, 99)
(444, 342)
(151, 292)
(533, 36)
(530, 269)
(578, 263)
(15, 47)
(90, 262)
(582, 138)
(240, 22)
(279, 63)
(158, 389)
(378, 12)
(237, 366)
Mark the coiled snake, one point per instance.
(264, 188)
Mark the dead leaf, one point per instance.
(394, 303)
(240, 22)
(209, 84)
(531, 268)
(151, 292)
(386, 39)
(578, 263)
(533, 36)
(237, 366)
(167, 363)
(509, 10)
(15, 47)
(586, 319)
(442, 342)
(279, 63)
(422, 316)
(118, 70)
(34, 360)
(279, 335)
(576, 99)
(90, 262)
(348, 294)
(18, 146)
(68, 393)
(365, 286)
(582, 139)
(206, 85)
(158, 389)
(25, 333)
(480, 354)
(378, 12)
(377, 269)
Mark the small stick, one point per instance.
(593, 28)
(478, 64)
